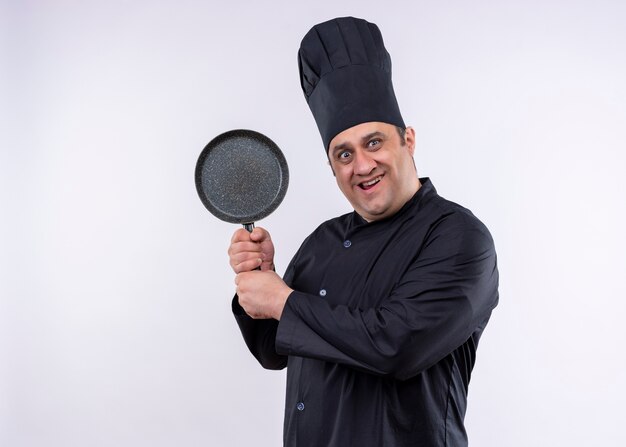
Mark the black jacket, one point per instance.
(380, 334)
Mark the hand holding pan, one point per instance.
(241, 177)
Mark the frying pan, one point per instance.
(241, 177)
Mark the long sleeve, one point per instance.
(445, 294)
(260, 336)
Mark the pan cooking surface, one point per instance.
(241, 176)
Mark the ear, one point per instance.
(409, 137)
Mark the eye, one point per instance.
(373, 143)
(343, 155)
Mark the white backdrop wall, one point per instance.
(115, 322)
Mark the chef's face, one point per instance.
(374, 168)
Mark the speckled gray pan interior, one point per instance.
(241, 176)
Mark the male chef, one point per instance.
(379, 313)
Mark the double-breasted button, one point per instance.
(300, 406)
(323, 292)
(347, 243)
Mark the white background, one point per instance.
(115, 321)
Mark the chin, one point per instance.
(371, 215)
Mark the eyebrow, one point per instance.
(369, 136)
(364, 139)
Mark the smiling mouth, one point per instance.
(370, 183)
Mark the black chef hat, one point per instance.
(345, 73)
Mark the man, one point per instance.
(379, 313)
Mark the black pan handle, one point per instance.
(249, 227)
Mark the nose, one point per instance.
(364, 164)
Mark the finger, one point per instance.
(240, 247)
(247, 266)
(240, 235)
(260, 234)
(238, 258)
(239, 278)
(237, 255)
